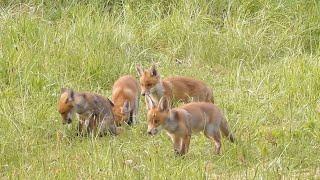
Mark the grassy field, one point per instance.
(260, 57)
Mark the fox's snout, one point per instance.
(144, 93)
(152, 132)
(66, 118)
(67, 121)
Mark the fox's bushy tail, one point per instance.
(225, 129)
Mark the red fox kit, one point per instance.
(178, 88)
(125, 96)
(94, 111)
(191, 117)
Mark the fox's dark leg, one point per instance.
(130, 119)
(213, 133)
(185, 144)
(91, 126)
(217, 139)
(80, 124)
(176, 144)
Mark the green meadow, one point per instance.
(261, 58)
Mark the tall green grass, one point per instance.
(260, 57)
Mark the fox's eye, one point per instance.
(156, 121)
(148, 84)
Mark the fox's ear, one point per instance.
(150, 103)
(153, 70)
(139, 69)
(70, 92)
(126, 107)
(71, 95)
(62, 90)
(163, 104)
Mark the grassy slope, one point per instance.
(261, 58)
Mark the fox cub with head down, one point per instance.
(93, 110)
(125, 96)
(191, 117)
(180, 88)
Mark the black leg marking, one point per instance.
(130, 120)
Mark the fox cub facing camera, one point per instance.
(180, 122)
(178, 88)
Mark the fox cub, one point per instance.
(178, 88)
(125, 96)
(191, 117)
(93, 110)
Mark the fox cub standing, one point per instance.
(180, 122)
(125, 96)
(94, 111)
(178, 88)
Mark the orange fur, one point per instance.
(179, 88)
(181, 122)
(125, 96)
(94, 111)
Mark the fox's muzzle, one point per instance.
(153, 131)
(144, 93)
(67, 121)
(66, 118)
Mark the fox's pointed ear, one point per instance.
(71, 95)
(163, 104)
(153, 70)
(150, 103)
(62, 90)
(70, 92)
(126, 106)
(139, 69)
